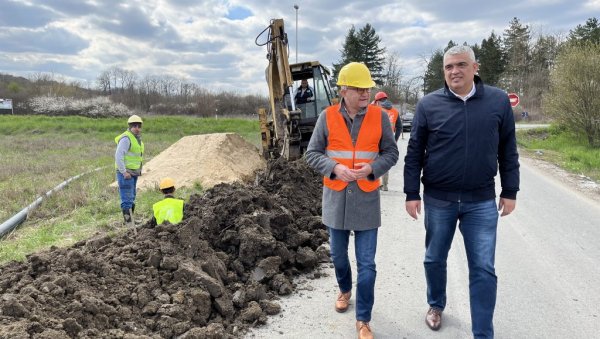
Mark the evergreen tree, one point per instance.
(516, 48)
(491, 59)
(434, 75)
(373, 54)
(350, 50)
(590, 32)
(363, 46)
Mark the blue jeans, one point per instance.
(365, 246)
(126, 190)
(478, 224)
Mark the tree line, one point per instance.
(556, 77)
(46, 93)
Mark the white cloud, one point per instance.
(195, 40)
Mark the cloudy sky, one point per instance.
(212, 42)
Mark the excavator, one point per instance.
(287, 128)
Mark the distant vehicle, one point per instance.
(407, 119)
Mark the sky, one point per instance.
(212, 42)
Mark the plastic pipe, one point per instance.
(18, 218)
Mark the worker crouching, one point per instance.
(169, 209)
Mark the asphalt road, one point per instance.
(547, 262)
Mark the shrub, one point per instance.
(94, 107)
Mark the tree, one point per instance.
(574, 95)
(13, 87)
(434, 75)
(516, 48)
(491, 59)
(350, 50)
(537, 81)
(588, 32)
(363, 46)
(392, 77)
(373, 54)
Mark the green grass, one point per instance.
(566, 149)
(39, 152)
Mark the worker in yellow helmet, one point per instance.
(352, 146)
(128, 164)
(169, 209)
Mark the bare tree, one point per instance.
(574, 96)
(103, 82)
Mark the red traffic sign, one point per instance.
(514, 99)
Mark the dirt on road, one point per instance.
(214, 275)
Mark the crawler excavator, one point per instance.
(287, 128)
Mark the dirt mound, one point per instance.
(211, 276)
(208, 159)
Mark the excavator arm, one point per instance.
(279, 130)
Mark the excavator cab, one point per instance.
(287, 127)
(323, 96)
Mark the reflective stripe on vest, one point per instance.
(169, 209)
(341, 149)
(393, 114)
(133, 157)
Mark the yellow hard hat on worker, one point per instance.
(355, 74)
(166, 183)
(134, 119)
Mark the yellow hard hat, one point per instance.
(166, 183)
(134, 118)
(355, 74)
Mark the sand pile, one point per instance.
(207, 159)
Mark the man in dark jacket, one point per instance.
(304, 93)
(461, 135)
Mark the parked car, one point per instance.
(407, 119)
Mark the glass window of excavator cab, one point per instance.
(321, 95)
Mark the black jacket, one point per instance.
(302, 98)
(460, 146)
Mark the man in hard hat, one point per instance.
(352, 146)
(381, 100)
(169, 209)
(128, 162)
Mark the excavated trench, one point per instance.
(214, 275)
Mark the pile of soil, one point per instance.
(214, 275)
(207, 159)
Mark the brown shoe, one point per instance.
(364, 330)
(433, 319)
(342, 302)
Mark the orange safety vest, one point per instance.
(341, 149)
(393, 114)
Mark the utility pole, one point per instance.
(296, 8)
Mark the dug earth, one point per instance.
(214, 275)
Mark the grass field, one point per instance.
(39, 152)
(563, 148)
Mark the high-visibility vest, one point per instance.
(169, 209)
(341, 149)
(393, 114)
(133, 157)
